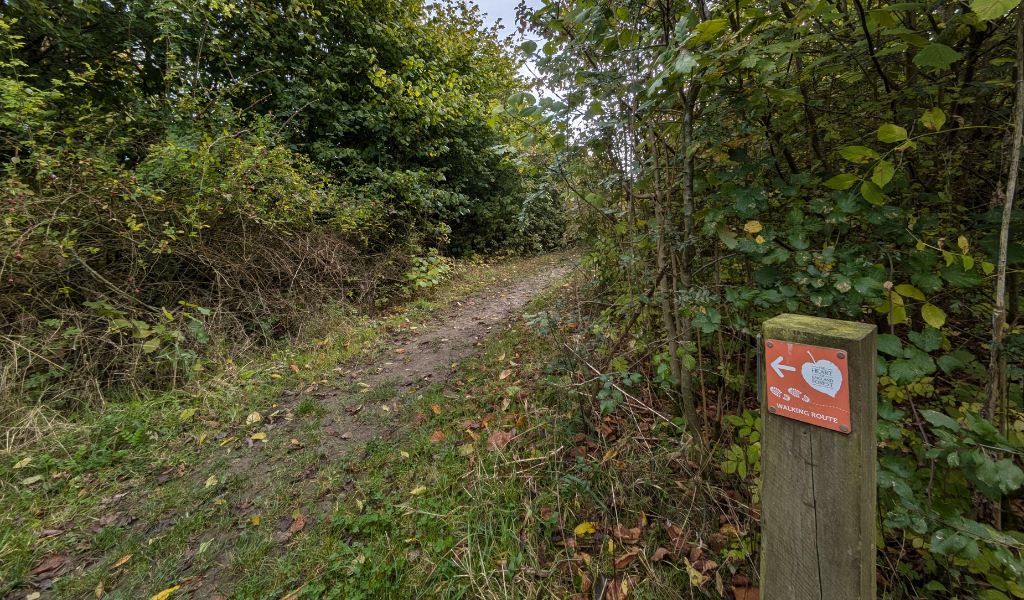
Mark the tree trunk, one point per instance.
(997, 364)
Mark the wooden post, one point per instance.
(818, 461)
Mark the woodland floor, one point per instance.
(447, 462)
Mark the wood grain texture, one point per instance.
(818, 486)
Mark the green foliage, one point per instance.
(830, 159)
(256, 159)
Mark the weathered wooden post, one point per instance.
(818, 459)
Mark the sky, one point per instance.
(506, 11)
(503, 9)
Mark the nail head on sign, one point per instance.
(771, 409)
(841, 355)
(844, 428)
(769, 344)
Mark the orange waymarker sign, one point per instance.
(809, 384)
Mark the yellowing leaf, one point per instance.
(227, 441)
(31, 480)
(275, 376)
(968, 262)
(696, 577)
(403, 453)
(505, 374)
(987, 268)
(166, 593)
(909, 291)
(151, 345)
(121, 561)
(584, 528)
(933, 315)
(502, 357)
(933, 119)
(419, 490)
(965, 247)
(21, 464)
(753, 227)
(610, 455)
(436, 409)
(255, 521)
(259, 436)
(202, 439)
(186, 414)
(212, 481)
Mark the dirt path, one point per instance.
(424, 358)
(419, 355)
(200, 507)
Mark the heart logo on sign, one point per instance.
(822, 375)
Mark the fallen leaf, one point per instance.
(203, 547)
(31, 480)
(49, 563)
(400, 351)
(98, 591)
(747, 593)
(505, 374)
(33, 596)
(346, 435)
(498, 440)
(437, 436)
(255, 521)
(294, 367)
(403, 453)
(623, 561)
(259, 436)
(627, 536)
(121, 561)
(298, 524)
(294, 595)
(697, 578)
(419, 490)
(584, 528)
(436, 409)
(585, 583)
(385, 408)
(186, 414)
(465, 450)
(610, 455)
(740, 581)
(212, 481)
(166, 593)
(253, 417)
(718, 542)
(705, 565)
(49, 533)
(21, 464)
(659, 554)
(227, 441)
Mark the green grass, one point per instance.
(405, 517)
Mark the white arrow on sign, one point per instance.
(779, 367)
